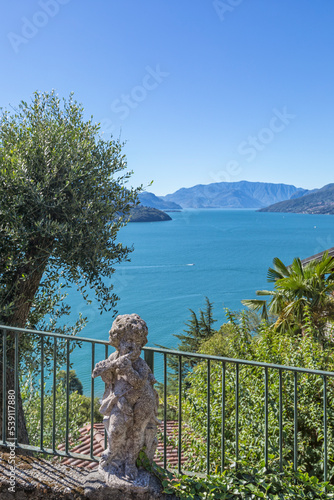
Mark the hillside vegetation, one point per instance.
(147, 214)
(319, 202)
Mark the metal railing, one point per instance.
(10, 412)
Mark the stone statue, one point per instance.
(130, 402)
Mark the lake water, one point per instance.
(221, 254)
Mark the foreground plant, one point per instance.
(248, 484)
(242, 482)
(267, 347)
(79, 413)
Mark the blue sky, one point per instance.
(201, 91)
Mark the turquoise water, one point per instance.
(222, 254)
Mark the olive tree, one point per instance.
(63, 200)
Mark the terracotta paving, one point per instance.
(98, 446)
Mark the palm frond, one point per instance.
(297, 267)
(257, 305)
(265, 292)
(281, 268)
(273, 275)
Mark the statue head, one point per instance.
(128, 329)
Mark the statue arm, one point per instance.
(135, 376)
(105, 365)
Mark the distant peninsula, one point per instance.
(319, 201)
(147, 214)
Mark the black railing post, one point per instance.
(105, 431)
(41, 445)
(236, 415)
(16, 383)
(180, 415)
(325, 426)
(92, 405)
(280, 423)
(67, 393)
(165, 410)
(223, 418)
(266, 417)
(149, 358)
(208, 404)
(295, 424)
(54, 394)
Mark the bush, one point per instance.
(253, 484)
(269, 347)
(79, 414)
(242, 483)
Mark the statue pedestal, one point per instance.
(100, 485)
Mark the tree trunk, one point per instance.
(26, 283)
(23, 293)
(22, 434)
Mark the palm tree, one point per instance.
(297, 287)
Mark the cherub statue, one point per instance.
(130, 402)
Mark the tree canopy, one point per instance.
(298, 289)
(62, 201)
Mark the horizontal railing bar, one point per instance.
(239, 361)
(50, 334)
(180, 353)
(56, 452)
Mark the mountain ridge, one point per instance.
(150, 200)
(241, 194)
(319, 201)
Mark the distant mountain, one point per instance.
(241, 194)
(319, 201)
(153, 201)
(302, 192)
(147, 214)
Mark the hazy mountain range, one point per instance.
(241, 194)
(152, 201)
(266, 196)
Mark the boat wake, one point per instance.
(154, 267)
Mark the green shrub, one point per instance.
(79, 414)
(268, 346)
(243, 482)
(249, 484)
